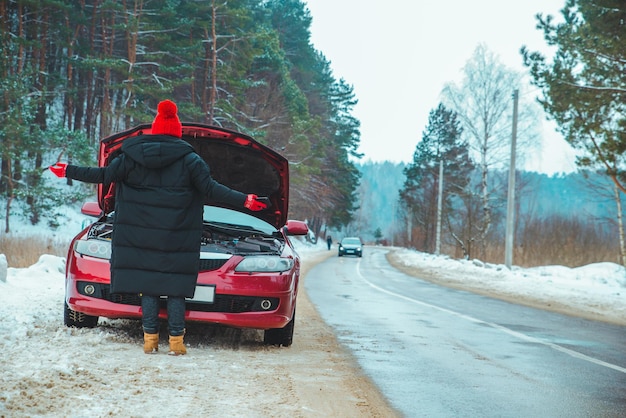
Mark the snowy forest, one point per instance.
(75, 72)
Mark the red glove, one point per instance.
(253, 203)
(58, 169)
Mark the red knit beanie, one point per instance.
(166, 121)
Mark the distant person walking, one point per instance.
(329, 241)
(161, 184)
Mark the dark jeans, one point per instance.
(175, 314)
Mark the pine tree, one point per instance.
(583, 85)
(441, 141)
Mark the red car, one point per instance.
(249, 270)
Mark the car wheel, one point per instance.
(339, 254)
(281, 336)
(78, 319)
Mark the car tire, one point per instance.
(78, 319)
(281, 336)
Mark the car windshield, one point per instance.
(232, 219)
(351, 241)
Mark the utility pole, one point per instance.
(510, 204)
(439, 209)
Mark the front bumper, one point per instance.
(242, 300)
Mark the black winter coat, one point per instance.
(161, 184)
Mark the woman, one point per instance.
(161, 184)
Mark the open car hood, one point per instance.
(236, 160)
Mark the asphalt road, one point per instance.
(439, 352)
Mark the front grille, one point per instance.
(208, 265)
(222, 303)
(123, 298)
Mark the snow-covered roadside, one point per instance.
(596, 291)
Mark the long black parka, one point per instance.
(161, 184)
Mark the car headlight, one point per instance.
(93, 248)
(264, 264)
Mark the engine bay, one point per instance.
(236, 239)
(216, 238)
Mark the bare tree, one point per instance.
(483, 103)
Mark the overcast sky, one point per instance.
(398, 55)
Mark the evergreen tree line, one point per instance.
(74, 72)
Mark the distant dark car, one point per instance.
(351, 246)
(249, 269)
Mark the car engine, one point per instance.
(216, 238)
(236, 239)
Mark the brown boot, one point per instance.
(177, 346)
(150, 343)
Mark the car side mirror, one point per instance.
(91, 209)
(296, 228)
